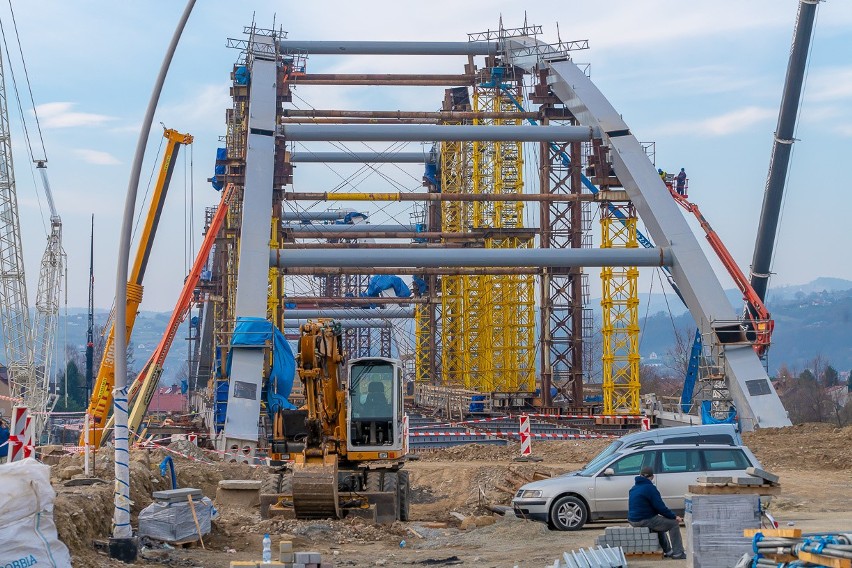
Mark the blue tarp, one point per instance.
(420, 285)
(241, 75)
(382, 282)
(707, 416)
(219, 169)
(255, 332)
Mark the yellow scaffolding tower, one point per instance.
(455, 357)
(501, 329)
(620, 303)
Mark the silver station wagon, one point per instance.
(600, 490)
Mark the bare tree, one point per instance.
(678, 354)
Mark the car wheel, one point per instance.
(568, 513)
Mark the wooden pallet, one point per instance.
(774, 533)
(190, 542)
(823, 560)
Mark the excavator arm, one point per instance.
(315, 469)
(101, 401)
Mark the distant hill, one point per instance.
(810, 319)
(806, 325)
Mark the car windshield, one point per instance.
(593, 466)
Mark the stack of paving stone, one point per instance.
(632, 540)
(757, 481)
(288, 558)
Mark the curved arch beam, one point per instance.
(753, 394)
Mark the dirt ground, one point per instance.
(814, 462)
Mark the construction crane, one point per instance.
(353, 431)
(143, 388)
(29, 345)
(101, 401)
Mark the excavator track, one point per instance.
(315, 490)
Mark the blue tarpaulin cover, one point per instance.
(219, 169)
(382, 282)
(707, 416)
(255, 332)
(241, 75)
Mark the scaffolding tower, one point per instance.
(620, 303)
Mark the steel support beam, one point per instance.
(344, 323)
(472, 257)
(755, 397)
(430, 133)
(307, 157)
(349, 301)
(348, 313)
(390, 47)
(396, 270)
(246, 378)
(384, 79)
(337, 215)
(400, 196)
(441, 115)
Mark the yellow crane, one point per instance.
(101, 401)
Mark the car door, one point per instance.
(611, 491)
(676, 471)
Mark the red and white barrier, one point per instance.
(18, 432)
(524, 432)
(405, 433)
(499, 434)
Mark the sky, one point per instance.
(701, 79)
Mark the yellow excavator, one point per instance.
(351, 446)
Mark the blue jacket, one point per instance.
(645, 501)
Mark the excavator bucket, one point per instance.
(315, 489)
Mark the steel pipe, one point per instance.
(296, 216)
(401, 196)
(386, 79)
(351, 313)
(368, 234)
(352, 229)
(344, 323)
(396, 270)
(473, 257)
(367, 245)
(446, 115)
(343, 302)
(390, 47)
(431, 132)
(305, 157)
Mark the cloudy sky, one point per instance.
(702, 79)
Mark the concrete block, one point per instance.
(238, 492)
(286, 557)
(757, 472)
(285, 546)
(302, 557)
(177, 495)
(748, 481)
(241, 484)
(243, 564)
(713, 479)
(315, 558)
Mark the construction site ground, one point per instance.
(813, 460)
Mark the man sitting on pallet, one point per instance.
(647, 509)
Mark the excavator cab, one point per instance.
(374, 409)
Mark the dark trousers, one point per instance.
(661, 526)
